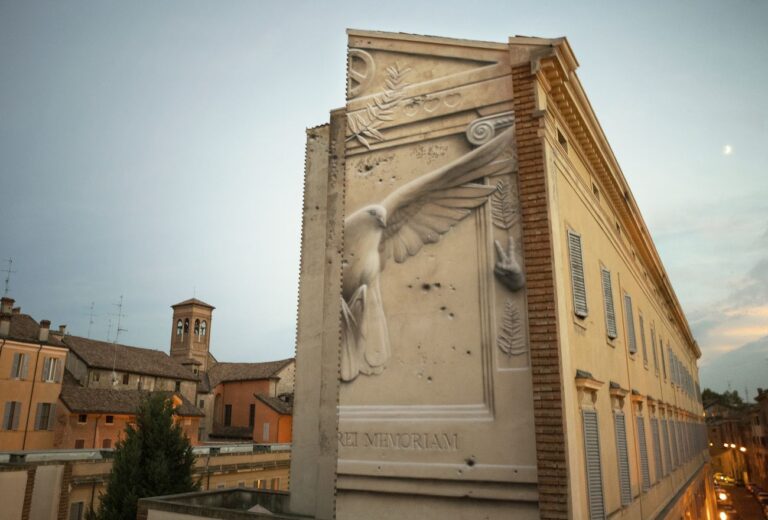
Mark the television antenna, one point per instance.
(119, 329)
(91, 321)
(8, 271)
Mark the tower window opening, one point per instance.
(186, 326)
(178, 328)
(197, 327)
(203, 328)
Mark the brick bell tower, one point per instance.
(191, 334)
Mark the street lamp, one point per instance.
(743, 449)
(733, 445)
(725, 445)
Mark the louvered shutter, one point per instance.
(7, 415)
(631, 341)
(39, 416)
(656, 448)
(51, 417)
(577, 275)
(653, 348)
(623, 458)
(644, 470)
(15, 365)
(594, 470)
(642, 338)
(673, 437)
(24, 366)
(667, 448)
(16, 414)
(46, 368)
(610, 311)
(58, 370)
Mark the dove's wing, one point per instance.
(425, 208)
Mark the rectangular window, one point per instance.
(49, 369)
(644, 470)
(642, 338)
(79, 444)
(125, 379)
(610, 311)
(177, 388)
(201, 404)
(577, 275)
(110, 419)
(275, 483)
(622, 456)
(76, 511)
(631, 341)
(656, 448)
(265, 432)
(44, 416)
(11, 415)
(663, 361)
(673, 443)
(653, 348)
(20, 366)
(82, 418)
(251, 415)
(594, 470)
(227, 415)
(96, 376)
(106, 444)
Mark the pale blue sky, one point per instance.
(149, 148)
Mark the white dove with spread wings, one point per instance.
(413, 215)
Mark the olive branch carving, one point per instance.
(503, 206)
(511, 340)
(364, 124)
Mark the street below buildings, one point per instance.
(745, 503)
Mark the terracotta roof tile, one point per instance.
(106, 400)
(101, 354)
(194, 301)
(277, 404)
(223, 372)
(25, 328)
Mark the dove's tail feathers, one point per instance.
(351, 354)
(375, 335)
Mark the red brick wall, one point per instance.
(542, 318)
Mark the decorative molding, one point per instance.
(364, 123)
(482, 130)
(504, 206)
(511, 339)
(358, 80)
(587, 387)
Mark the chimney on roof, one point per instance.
(6, 305)
(45, 325)
(5, 325)
(16, 310)
(62, 329)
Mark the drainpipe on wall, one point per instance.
(31, 393)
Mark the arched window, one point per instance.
(204, 328)
(186, 326)
(197, 327)
(178, 328)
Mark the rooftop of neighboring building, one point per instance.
(109, 356)
(25, 328)
(239, 503)
(227, 372)
(282, 404)
(80, 399)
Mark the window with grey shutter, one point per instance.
(631, 341)
(38, 416)
(76, 511)
(577, 275)
(58, 371)
(667, 449)
(16, 415)
(8, 415)
(610, 311)
(673, 443)
(16, 365)
(653, 349)
(46, 368)
(51, 417)
(594, 469)
(656, 448)
(663, 361)
(622, 455)
(644, 470)
(642, 338)
(24, 366)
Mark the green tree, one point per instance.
(154, 458)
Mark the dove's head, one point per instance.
(378, 214)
